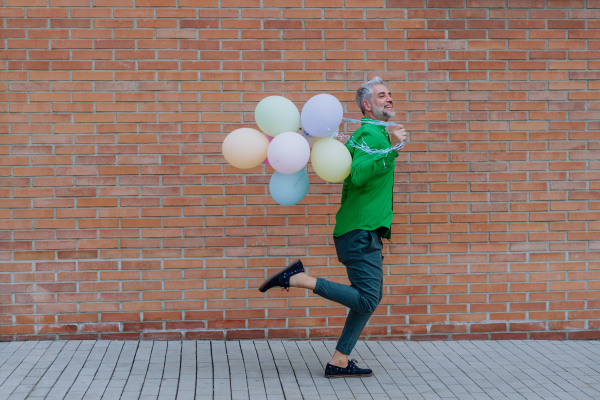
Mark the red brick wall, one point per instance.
(120, 218)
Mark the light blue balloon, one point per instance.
(289, 189)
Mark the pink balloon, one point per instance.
(288, 152)
(266, 161)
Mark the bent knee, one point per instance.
(370, 305)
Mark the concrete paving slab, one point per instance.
(293, 370)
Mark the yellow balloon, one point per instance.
(245, 148)
(331, 160)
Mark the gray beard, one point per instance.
(380, 112)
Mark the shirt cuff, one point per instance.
(389, 156)
(383, 161)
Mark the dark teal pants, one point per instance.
(360, 252)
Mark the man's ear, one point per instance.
(367, 105)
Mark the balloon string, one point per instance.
(298, 180)
(363, 146)
(359, 121)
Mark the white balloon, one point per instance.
(288, 152)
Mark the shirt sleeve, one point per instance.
(344, 192)
(366, 166)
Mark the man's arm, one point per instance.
(365, 166)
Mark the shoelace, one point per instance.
(282, 281)
(351, 365)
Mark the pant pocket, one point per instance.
(375, 242)
(351, 246)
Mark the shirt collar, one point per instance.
(382, 127)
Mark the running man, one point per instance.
(364, 218)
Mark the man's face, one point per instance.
(381, 102)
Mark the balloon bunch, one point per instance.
(286, 147)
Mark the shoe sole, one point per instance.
(270, 279)
(348, 376)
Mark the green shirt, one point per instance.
(367, 194)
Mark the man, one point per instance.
(364, 217)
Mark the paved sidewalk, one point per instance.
(276, 370)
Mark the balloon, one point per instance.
(331, 160)
(288, 152)
(288, 189)
(266, 161)
(245, 148)
(276, 114)
(322, 115)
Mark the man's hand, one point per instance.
(398, 135)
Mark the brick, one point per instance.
(122, 160)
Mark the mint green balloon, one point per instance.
(276, 114)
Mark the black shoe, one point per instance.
(351, 371)
(282, 278)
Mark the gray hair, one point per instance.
(365, 92)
